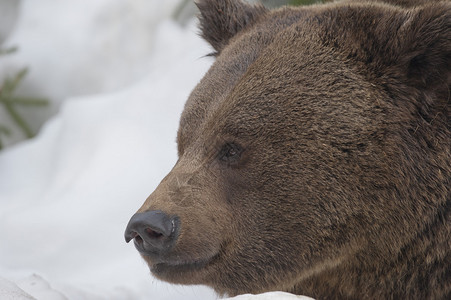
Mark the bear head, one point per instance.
(316, 147)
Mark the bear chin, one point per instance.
(187, 271)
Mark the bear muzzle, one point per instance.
(154, 232)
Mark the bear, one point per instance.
(314, 157)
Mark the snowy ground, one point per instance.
(121, 71)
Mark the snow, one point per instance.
(270, 296)
(83, 47)
(120, 71)
(9, 290)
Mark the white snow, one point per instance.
(270, 296)
(67, 195)
(83, 47)
(10, 290)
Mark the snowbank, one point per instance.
(40, 289)
(82, 47)
(271, 296)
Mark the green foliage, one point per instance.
(304, 2)
(10, 102)
(8, 50)
(3, 131)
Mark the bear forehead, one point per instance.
(230, 66)
(282, 50)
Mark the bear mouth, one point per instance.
(181, 265)
(187, 270)
(180, 271)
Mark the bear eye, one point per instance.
(230, 153)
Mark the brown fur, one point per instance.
(315, 154)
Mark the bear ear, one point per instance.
(423, 43)
(220, 20)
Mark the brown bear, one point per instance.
(314, 156)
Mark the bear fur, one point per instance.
(315, 154)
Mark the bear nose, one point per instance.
(153, 231)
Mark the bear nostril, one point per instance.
(154, 232)
(138, 239)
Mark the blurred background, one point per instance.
(90, 96)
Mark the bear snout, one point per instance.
(154, 232)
